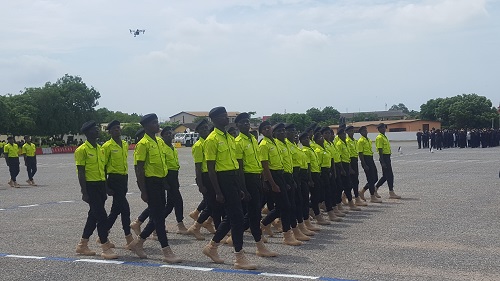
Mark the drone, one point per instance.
(137, 31)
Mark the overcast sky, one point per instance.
(264, 56)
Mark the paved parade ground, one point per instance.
(446, 227)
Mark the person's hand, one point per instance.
(202, 189)
(275, 188)
(247, 197)
(144, 197)
(219, 198)
(109, 191)
(85, 198)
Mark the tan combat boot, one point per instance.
(376, 193)
(337, 212)
(265, 210)
(393, 195)
(344, 199)
(209, 225)
(210, 250)
(374, 199)
(299, 235)
(169, 256)
(181, 228)
(353, 207)
(333, 217)
(16, 185)
(195, 231)
(83, 248)
(98, 241)
(136, 227)
(289, 239)
(242, 262)
(362, 193)
(311, 226)
(359, 202)
(11, 183)
(107, 252)
(277, 225)
(194, 214)
(320, 220)
(342, 209)
(229, 241)
(303, 229)
(266, 229)
(262, 251)
(128, 240)
(136, 246)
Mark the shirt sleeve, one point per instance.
(211, 149)
(80, 156)
(360, 146)
(197, 153)
(379, 143)
(264, 152)
(23, 149)
(140, 152)
(239, 148)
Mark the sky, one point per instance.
(266, 56)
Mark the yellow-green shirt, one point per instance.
(11, 150)
(324, 157)
(351, 144)
(29, 149)
(247, 149)
(333, 151)
(383, 142)
(270, 152)
(116, 157)
(93, 159)
(294, 150)
(199, 155)
(312, 158)
(365, 146)
(172, 158)
(343, 149)
(152, 153)
(304, 160)
(221, 148)
(285, 155)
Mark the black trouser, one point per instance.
(355, 176)
(253, 183)
(31, 166)
(97, 216)
(315, 192)
(371, 174)
(119, 185)
(327, 188)
(174, 197)
(212, 208)
(202, 205)
(419, 141)
(229, 183)
(338, 188)
(155, 189)
(282, 208)
(387, 174)
(304, 189)
(298, 196)
(290, 190)
(346, 181)
(13, 163)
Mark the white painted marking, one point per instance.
(25, 257)
(129, 193)
(187, 267)
(289, 275)
(28, 206)
(2, 209)
(193, 184)
(69, 201)
(100, 261)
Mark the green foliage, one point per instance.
(400, 107)
(462, 111)
(300, 120)
(130, 129)
(104, 115)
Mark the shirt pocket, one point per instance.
(222, 151)
(154, 155)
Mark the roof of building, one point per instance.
(205, 113)
(375, 123)
(380, 114)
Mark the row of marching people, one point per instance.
(238, 178)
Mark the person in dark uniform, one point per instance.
(11, 154)
(365, 151)
(90, 161)
(116, 167)
(419, 138)
(29, 154)
(384, 150)
(223, 170)
(151, 171)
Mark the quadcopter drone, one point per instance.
(137, 31)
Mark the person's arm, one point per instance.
(82, 182)
(199, 178)
(141, 180)
(381, 159)
(268, 176)
(215, 182)
(243, 186)
(363, 163)
(309, 177)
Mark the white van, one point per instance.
(186, 139)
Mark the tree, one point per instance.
(130, 129)
(400, 107)
(316, 115)
(277, 118)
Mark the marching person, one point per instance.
(151, 171)
(29, 154)
(116, 167)
(384, 150)
(365, 151)
(353, 153)
(11, 154)
(346, 169)
(90, 161)
(223, 171)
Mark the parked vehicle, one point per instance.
(186, 139)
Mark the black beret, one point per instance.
(325, 129)
(341, 131)
(148, 118)
(204, 121)
(10, 138)
(342, 126)
(112, 124)
(278, 126)
(216, 111)
(362, 128)
(88, 125)
(241, 116)
(303, 135)
(231, 129)
(317, 135)
(167, 128)
(316, 130)
(381, 125)
(290, 126)
(263, 124)
(349, 127)
(139, 132)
